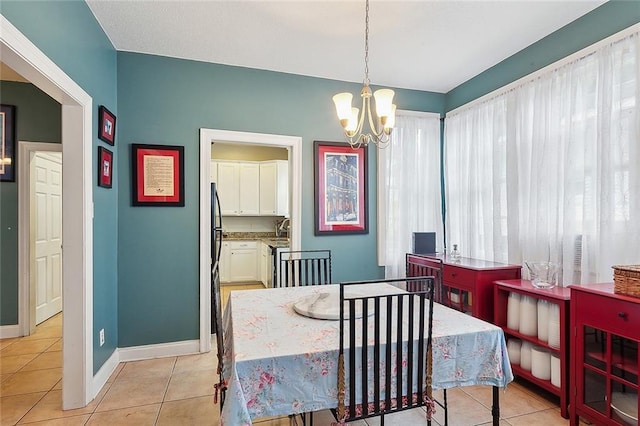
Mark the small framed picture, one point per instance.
(105, 167)
(7, 143)
(157, 175)
(106, 125)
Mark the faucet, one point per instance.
(283, 226)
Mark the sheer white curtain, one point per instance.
(475, 191)
(409, 195)
(549, 170)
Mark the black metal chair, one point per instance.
(419, 266)
(221, 386)
(382, 374)
(303, 267)
(424, 266)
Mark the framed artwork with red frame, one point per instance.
(106, 125)
(105, 167)
(340, 189)
(7, 143)
(158, 175)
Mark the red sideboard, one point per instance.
(467, 284)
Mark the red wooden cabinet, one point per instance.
(467, 284)
(605, 334)
(558, 296)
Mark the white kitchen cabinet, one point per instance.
(265, 264)
(224, 263)
(213, 171)
(249, 188)
(229, 187)
(243, 261)
(238, 188)
(274, 188)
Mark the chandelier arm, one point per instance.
(363, 110)
(377, 132)
(357, 134)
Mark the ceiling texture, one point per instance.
(422, 45)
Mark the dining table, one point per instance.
(279, 362)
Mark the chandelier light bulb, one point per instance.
(343, 105)
(384, 100)
(352, 125)
(391, 120)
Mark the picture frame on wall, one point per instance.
(340, 184)
(7, 143)
(105, 167)
(106, 125)
(157, 175)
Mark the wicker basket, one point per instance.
(626, 280)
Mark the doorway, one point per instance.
(41, 213)
(208, 136)
(19, 53)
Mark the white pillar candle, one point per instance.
(513, 311)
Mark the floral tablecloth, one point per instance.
(278, 362)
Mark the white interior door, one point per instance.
(46, 233)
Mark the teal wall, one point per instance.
(602, 22)
(146, 258)
(68, 33)
(166, 101)
(37, 120)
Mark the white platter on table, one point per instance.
(326, 306)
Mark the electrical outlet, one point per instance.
(101, 336)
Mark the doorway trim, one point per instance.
(293, 144)
(26, 315)
(19, 53)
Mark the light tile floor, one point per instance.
(179, 391)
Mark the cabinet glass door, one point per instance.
(611, 375)
(457, 298)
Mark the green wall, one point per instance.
(38, 119)
(68, 33)
(166, 101)
(602, 22)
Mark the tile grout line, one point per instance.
(166, 390)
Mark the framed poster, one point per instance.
(106, 125)
(8, 143)
(158, 175)
(340, 189)
(105, 167)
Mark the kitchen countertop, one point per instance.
(265, 237)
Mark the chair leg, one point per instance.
(304, 417)
(446, 409)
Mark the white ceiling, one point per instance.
(424, 45)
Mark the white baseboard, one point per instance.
(7, 331)
(161, 350)
(107, 369)
(138, 353)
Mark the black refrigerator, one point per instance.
(216, 248)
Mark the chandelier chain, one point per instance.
(366, 45)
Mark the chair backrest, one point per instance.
(303, 267)
(425, 266)
(385, 362)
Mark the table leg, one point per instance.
(495, 409)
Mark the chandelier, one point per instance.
(351, 119)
